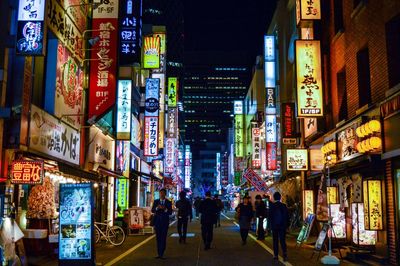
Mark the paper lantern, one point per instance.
(374, 125)
(376, 142)
(359, 148)
(332, 146)
(358, 132)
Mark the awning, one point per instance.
(69, 170)
(106, 172)
(135, 173)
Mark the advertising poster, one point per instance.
(338, 221)
(309, 78)
(136, 218)
(76, 224)
(306, 228)
(151, 52)
(297, 159)
(163, 59)
(69, 88)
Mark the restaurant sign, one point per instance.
(297, 159)
(27, 172)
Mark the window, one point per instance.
(364, 79)
(393, 51)
(338, 15)
(342, 94)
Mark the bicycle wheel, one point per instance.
(116, 235)
(97, 235)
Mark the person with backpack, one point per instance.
(279, 217)
(184, 214)
(220, 206)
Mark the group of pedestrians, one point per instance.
(276, 214)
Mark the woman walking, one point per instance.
(245, 214)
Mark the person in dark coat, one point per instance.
(196, 204)
(245, 214)
(260, 214)
(220, 206)
(268, 204)
(162, 209)
(279, 217)
(208, 210)
(184, 214)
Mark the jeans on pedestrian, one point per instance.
(182, 227)
(207, 233)
(279, 235)
(244, 233)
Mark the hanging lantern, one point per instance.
(332, 146)
(359, 148)
(358, 132)
(376, 142)
(374, 125)
(373, 211)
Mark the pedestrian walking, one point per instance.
(196, 204)
(220, 207)
(279, 223)
(245, 215)
(184, 214)
(268, 203)
(260, 214)
(208, 210)
(162, 209)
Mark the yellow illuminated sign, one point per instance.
(332, 195)
(309, 78)
(239, 136)
(307, 10)
(308, 199)
(172, 92)
(297, 159)
(151, 52)
(373, 213)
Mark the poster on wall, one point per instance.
(76, 224)
(69, 88)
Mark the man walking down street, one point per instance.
(220, 207)
(162, 209)
(208, 210)
(196, 204)
(279, 217)
(260, 214)
(184, 214)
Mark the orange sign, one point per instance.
(27, 172)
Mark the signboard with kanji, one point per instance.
(151, 136)
(255, 180)
(27, 172)
(124, 105)
(297, 159)
(307, 10)
(172, 92)
(151, 52)
(256, 141)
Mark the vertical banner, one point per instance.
(169, 161)
(256, 158)
(103, 69)
(188, 166)
(161, 115)
(172, 92)
(309, 78)
(172, 123)
(152, 102)
(122, 196)
(239, 136)
(288, 123)
(26, 100)
(30, 30)
(271, 149)
(163, 55)
(130, 31)
(270, 129)
(151, 136)
(122, 159)
(124, 106)
(151, 52)
(218, 171)
(76, 224)
(270, 76)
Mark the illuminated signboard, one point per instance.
(316, 160)
(76, 224)
(151, 52)
(101, 149)
(271, 150)
(152, 102)
(308, 199)
(270, 128)
(239, 136)
(124, 104)
(122, 198)
(338, 221)
(255, 180)
(161, 115)
(53, 137)
(103, 70)
(172, 92)
(218, 170)
(188, 166)
(288, 123)
(307, 10)
(310, 126)
(169, 156)
(269, 67)
(238, 107)
(163, 60)
(130, 31)
(172, 123)
(27, 172)
(136, 132)
(122, 157)
(309, 78)
(297, 160)
(361, 236)
(151, 136)
(256, 158)
(30, 27)
(373, 209)
(332, 193)
(347, 143)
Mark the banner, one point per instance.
(255, 180)
(172, 92)
(152, 102)
(256, 141)
(103, 67)
(151, 52)
(271, 150)
(270, 129)
(309, 78)
(169, 156)
(122, 196)
(150, 136)
(172, 123)
(239, 136)
(218, 171)
(124, 107)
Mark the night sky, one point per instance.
(227, 25)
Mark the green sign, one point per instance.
(122, 188)
(238, 177)
(172, 92)
(239, 136)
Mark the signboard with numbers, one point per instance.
(27, 172)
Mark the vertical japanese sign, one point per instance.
(130, 31)
(307, 10)
(308, 199)
(122, 197)
(169, 156)
(373, 209)
(256, 141)
(270, 79)
(271, 150)
(30, 27)
(150, 136)
(124, 104)
(163, 52)
(218, 171)
(136, 132)
(172, 123)
(27, 172)
(188, 166)
(103, 69)
(239, 136)
(172, 92)
(152, 103)
(151, 52)
(271, 138)
(161, 115)
(288, 123)
(122, 159)
(309, 78)
(76, 224)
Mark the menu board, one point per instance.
(306, 228)
(321, 237)
(76, 224)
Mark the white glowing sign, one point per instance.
(124, 104)
(218, 185)
(270, 128)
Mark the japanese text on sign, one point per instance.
(239, 135)
(172, 92)
(170, 156)
(27, 172)
(256, 159)
(255, 180)
(124, 109)
(151, 136)
(297, 160)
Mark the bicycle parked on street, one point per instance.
(113, 234)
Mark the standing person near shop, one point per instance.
(196, 204)
(208, 210)
(162, 209)
(184, 214)
(220, 206)
(245, 215)
(279, 217)
(260, 214)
